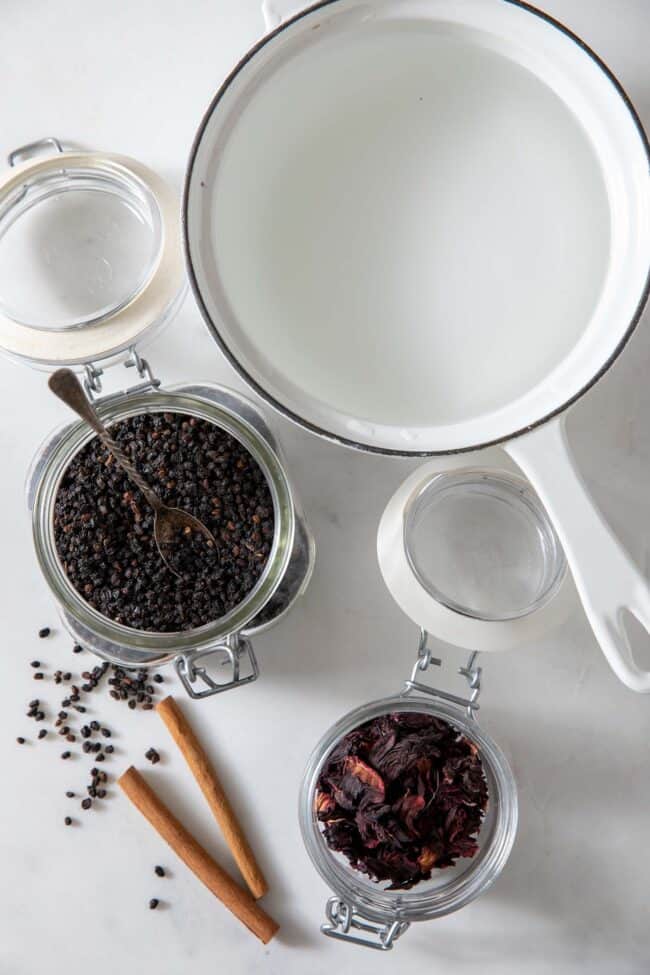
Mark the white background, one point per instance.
(135, 78)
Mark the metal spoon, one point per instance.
(169, 523)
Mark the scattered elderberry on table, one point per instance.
(152, 755)
(159, 871)
(401, 795)
(103, 526)
(153, 903)
(44, 632)
(130, 685)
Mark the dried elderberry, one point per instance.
(104, 528)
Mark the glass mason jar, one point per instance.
(283, 580)
(365, 912)
(91, 266)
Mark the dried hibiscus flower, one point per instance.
(401, 795)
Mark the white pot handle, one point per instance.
(605, 576)
(275, 12)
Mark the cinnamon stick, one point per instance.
(235, 898)
(182, 733)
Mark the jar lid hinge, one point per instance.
(94, 373)
(470, 672)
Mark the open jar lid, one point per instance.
(90, 254)
(469, 553)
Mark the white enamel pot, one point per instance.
(423, 227)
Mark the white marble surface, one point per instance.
(135, 78)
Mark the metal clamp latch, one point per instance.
(233, 650)
(94, 373)
(342, 920)
(470, 672)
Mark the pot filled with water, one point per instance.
(445, 210)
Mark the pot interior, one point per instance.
(436, 202)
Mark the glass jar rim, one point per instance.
(72, 440)
(417, 904)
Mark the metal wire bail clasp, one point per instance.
(424, 660)
(234, 650)
(142, 367)
(342, 921)
(94, 373)
(470, 672)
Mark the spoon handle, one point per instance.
(124, 462)
(67, 387)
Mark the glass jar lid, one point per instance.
(481, 543)
(470, 554)
(90, 254)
